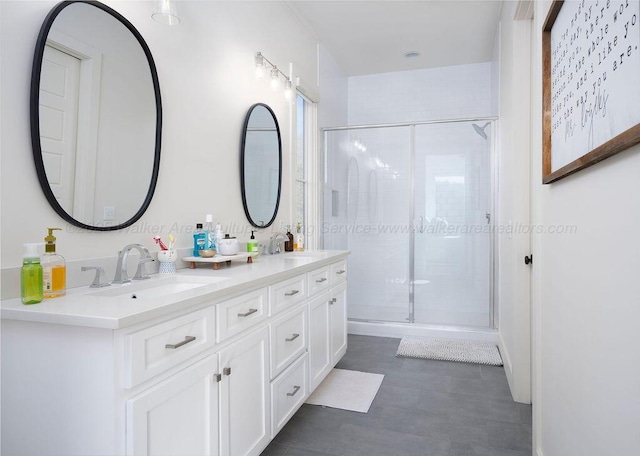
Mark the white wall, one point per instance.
(513, 238)
(586, 306)
(205, 69)
(418, 95)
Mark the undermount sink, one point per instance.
(156, 288)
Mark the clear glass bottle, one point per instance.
(31, 276)
(54, 268)
(299, 239)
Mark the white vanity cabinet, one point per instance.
(328, 325)
(245, 418)
(177, 416)
(219, 375)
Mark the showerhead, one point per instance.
(480, 130)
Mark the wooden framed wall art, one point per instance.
(591, 83)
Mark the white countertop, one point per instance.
(85, 306)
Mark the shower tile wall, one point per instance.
(460, 91)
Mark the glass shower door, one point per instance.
(452, 206)
(366, 210)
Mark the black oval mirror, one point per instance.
(261, 166)
(96, 116)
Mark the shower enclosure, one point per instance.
(413, 203)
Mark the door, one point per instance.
(338, 310)
(245, 397)
(177, 416)
(319, 342)
(366, 210)
(59, 94)
(453, 206)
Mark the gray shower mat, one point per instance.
(465, 351)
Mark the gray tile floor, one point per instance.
(424, 407)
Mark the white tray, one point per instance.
(216, 260)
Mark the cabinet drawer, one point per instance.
(338, 272)
(238, 314)
(319, 280)
(288, 339)
(288, 392)
(157, 348)
(287, 293)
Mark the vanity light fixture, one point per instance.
(262, 65)
(274, 78)
(288, 89)
(166, 13)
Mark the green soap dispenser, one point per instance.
(31, 276)
(252, 245)
(54, 268)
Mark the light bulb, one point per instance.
(275, 80)
(259, 66)
(288, 90)
(166, 13)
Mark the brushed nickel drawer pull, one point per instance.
(341, 271)
(324, 279)
(217, 378)
(226, 371)
(187, 339)
(292, 292)
(246, 314)
(296, 388)
(293, 337)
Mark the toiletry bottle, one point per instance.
(31, 276)
(288, 245)
(210, 234)
(299, 244)
(54, 268)
(219, 235)
(252, 245)
(199, 240)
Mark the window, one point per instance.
(305, 146)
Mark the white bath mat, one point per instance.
(347, 390)
(465, 351)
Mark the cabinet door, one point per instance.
(319, 342)
(244, 395)
(338, 310)
(177, 416)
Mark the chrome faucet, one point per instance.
(121, 267)
(97, 280)
(275, 246)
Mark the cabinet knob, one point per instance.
(217, 378)
(226, 371)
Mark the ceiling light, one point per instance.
(411, 54)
